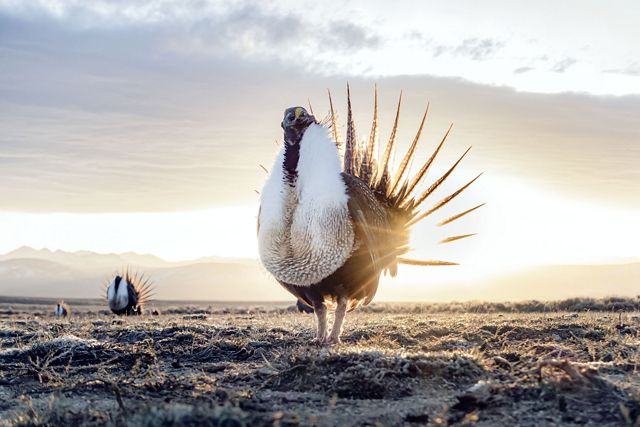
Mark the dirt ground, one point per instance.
(237, 366)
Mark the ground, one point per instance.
(399, 365)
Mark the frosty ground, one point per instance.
(570, 363)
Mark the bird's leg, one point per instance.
(321, 315)
(341, 311)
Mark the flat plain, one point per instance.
(532, 364)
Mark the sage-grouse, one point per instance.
(332, 220)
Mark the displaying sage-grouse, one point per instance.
(326, 230)
(62, 309)
(127, 293)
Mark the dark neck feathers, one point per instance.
(292, 138)
(290, 166)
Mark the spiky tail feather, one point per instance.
(397, 190)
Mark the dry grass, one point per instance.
(399, 365)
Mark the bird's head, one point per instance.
(296, 120)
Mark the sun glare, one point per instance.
(175, 236)
(520, 226)
(524, 226)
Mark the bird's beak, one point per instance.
(289, 121)
(296, 119)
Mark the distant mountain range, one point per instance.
(58, 274)
(85, 259)
(88, 259)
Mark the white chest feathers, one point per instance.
(118, 298)
(305, 232)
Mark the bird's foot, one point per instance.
(331, 341)
(320, 341)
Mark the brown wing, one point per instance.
(370, 219)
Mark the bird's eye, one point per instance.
(303, 113)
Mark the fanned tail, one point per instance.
(143, 285)
(397, 191)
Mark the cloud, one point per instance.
(155, 114)
(163, 142)
(563, 65)
(523, 70)
(477, 49)
(631, 70)
(439, 50)
(245, 28)
(348, 36)
(327, 38)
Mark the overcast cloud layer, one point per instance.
(155, 106)
(579, 46)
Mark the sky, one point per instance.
(139, 126)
